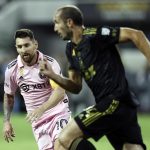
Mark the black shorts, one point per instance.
(114, 119)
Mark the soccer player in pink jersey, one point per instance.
(46, 102)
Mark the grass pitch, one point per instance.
(24, 139)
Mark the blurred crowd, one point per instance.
(140, 83)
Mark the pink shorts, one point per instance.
(48, 131)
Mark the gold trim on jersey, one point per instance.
(92, 114)
(89, 31)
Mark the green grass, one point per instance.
(24, 139)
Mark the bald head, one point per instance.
(72, 12)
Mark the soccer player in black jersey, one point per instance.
(93, 55)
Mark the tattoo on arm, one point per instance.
(8, 106)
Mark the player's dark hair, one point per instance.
(23, 33)
(72, 12)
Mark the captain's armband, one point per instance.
(54, 84)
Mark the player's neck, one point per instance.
(77, 34)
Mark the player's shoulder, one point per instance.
(12, 64)
(90, 31)
(107, 30)
(51, 60)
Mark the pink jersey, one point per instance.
(34, 88)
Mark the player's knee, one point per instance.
(65, 139)
(58, 145)
(128, 146)
(69, 134)
(80, 144)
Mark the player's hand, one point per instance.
(46, 68)
(35, 114)
(8, 132)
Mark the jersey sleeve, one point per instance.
(108, 34)
(69, 56)
(10, 85)
(56, 68)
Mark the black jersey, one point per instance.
(97, 59)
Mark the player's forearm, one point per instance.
(57, 95)
(143, 44)
(8, 106)
(138, 38)
(67, 84)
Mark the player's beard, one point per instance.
(27, 58)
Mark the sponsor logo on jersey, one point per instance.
(28, 87)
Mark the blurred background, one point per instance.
(37, 15)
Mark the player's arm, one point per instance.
(8, 107)
(56, 96)
(138, 38)
(10, 87)
(72, 84)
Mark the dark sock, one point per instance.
(81, 144)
